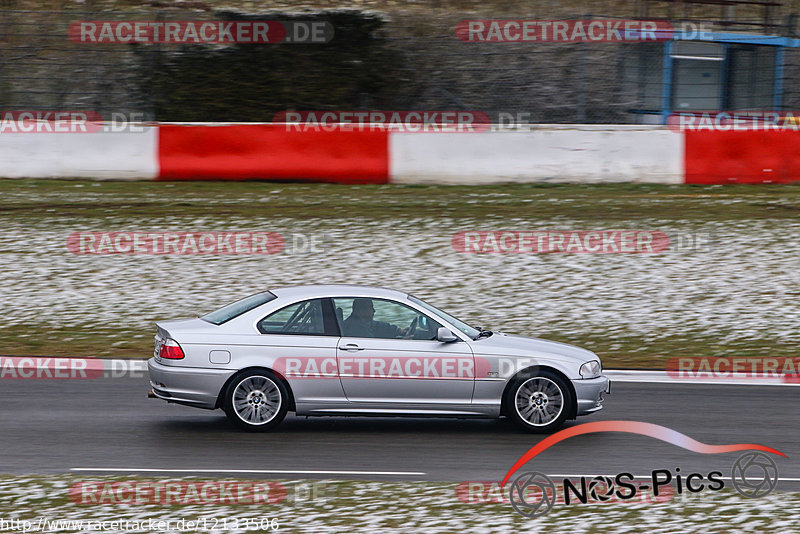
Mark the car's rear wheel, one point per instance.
(539, 403)
(256, 400)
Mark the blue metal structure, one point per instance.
(726, 39)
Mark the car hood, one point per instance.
(514, 345)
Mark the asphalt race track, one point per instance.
(109, 425)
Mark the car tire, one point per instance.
(538, 402)
(256, 400)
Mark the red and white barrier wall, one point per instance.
(588, 154)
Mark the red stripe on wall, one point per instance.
(271, 152)
(751, 157)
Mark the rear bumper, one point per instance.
(191, 386)
(589, 394)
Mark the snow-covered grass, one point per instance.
(389, 507)
(737, 297)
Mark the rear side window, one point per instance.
(309, 318)
(239, 307)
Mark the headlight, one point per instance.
(591, 369)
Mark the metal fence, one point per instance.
(394, 69)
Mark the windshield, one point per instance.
(461, 325)
(226, 313)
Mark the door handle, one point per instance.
(351, 347)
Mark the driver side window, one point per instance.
(386, 319)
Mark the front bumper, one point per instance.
(192, 386)
(589, 394)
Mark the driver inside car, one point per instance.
(361, 324)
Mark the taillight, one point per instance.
(170, 350)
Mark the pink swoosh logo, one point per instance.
(633, 427)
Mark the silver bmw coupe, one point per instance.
(356, 350)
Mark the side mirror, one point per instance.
(445, 335)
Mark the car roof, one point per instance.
(337, 290)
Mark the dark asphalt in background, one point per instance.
(51, 426)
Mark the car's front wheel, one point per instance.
(256, 400)
(539, 403)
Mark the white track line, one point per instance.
(661, 377)
(308, 472)
(249, 471)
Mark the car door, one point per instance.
(301, 339)
(388, 354)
